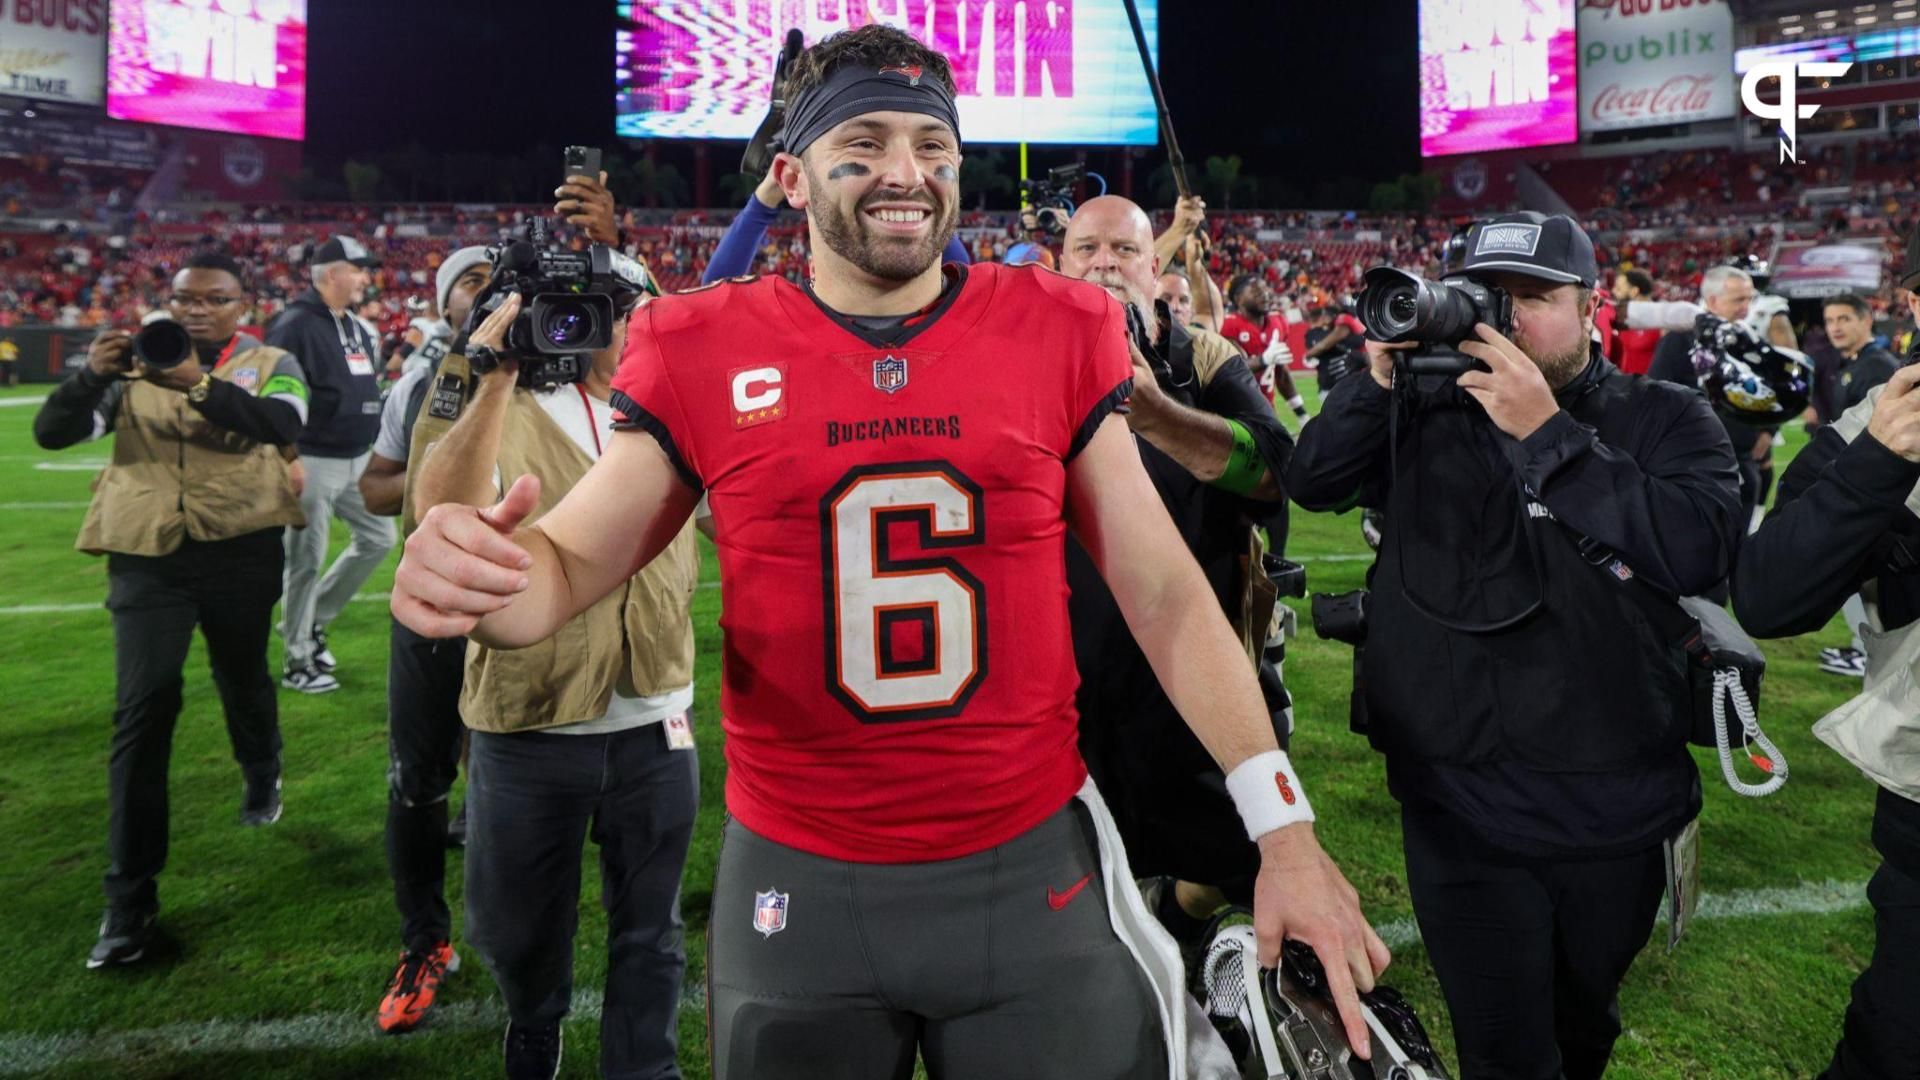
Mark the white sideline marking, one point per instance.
(8, 403)
(43, 506)
(69, 466)
(64, 609)
(21, 1054)
(1806, 898)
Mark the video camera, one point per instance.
(1051, 198)
(569, 301)
(1397, 306)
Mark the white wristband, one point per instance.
(1268, 794)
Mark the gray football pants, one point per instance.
(333, 490)
(1002, 964)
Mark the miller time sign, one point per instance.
(1646, 62)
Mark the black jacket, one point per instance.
(1166, 791)
(1839, 521)
(1869, 368)
(344, 411)
(1499, 648)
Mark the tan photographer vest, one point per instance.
(639, 638)
(174, 474)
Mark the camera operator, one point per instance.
(1214, 451)
(189, 514)
(424, 732)
(1534, 726)
(338, 355)
(587, 733)
(1845, 520)
(1257, 328)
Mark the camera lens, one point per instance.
(162, 344)
(1398, 306)
(567, 326)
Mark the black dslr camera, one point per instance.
(162, 345)
(569, 301)
(1052, 198)
(1397, 306)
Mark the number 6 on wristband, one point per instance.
(1268, 794)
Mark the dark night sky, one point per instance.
(1308, 90)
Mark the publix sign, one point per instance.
(1648, 62)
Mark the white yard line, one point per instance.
(21, 1054)
(66, 609)
(13, 506)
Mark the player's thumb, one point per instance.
(513, 507)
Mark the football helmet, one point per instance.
(1749, 379)
(1282, 1023)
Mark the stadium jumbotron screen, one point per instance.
(238, 66)
(703, 68)
(1496, 75)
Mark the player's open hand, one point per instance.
(462, 565)
(1301, 895)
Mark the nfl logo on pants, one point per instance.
(769, 912)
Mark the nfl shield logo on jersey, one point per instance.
(769, 912)
(889, 374)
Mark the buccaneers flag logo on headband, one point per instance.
(911, 72)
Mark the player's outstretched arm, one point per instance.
(478, 572)
(1300, 894)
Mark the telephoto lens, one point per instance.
(162, 344)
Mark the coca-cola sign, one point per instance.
(1645, 62)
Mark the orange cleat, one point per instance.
(415, 984)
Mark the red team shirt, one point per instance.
(1253, 340)
(898, 677)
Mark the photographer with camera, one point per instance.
(1534, 725)
(1846, 523)
(339, 356)
(1215, 452)
(189, 514)
(590, 732)
(1254, 324)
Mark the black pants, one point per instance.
(532, 800)
(228, 588)
(424, 738)
(1881, 1038)
(1529, 953)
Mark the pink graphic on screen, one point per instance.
(232, 65)
(1496, 74)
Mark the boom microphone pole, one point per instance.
(1174, 159)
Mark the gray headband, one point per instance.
(852, 91)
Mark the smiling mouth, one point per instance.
(901, 217)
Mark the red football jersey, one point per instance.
(898, 674)
(1253, 340)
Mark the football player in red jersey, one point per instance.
(915, 862)
(1261, 333)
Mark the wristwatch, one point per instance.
(198, 392)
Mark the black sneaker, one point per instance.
(533, 1053)
(457, 828)
(1848, 661)
(322, 656)
(309, 679)
(124, 936)
(261, 803)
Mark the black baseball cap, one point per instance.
(339, 248)
(1553, 248)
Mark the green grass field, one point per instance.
(279, 941)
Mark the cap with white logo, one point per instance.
(1554, 248)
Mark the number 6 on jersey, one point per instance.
(906, 637)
